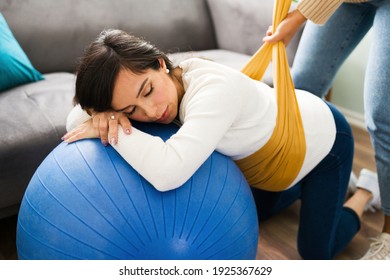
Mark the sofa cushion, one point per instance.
(15, 67)
(240, 25)
(33, 119)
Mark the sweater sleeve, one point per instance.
(318, 11)
(76, 117)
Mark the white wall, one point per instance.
(349, 83)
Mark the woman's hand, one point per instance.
(83, 131)
(102, 125)
(106, 123)
(286, 29)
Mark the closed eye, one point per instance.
(132, 111)
(150, 91)
(129, 111)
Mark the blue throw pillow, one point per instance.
(15, 67)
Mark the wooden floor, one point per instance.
(278, 235)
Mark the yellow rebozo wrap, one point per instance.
(275, 166)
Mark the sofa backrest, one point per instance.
(54, 33)
(240, 25)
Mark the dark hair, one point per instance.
(112, 51)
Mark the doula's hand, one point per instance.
(286, 29)
(102, 125)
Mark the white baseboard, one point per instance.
(354, 118)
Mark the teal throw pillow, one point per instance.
(15, 67)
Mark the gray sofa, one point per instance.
(53, 34)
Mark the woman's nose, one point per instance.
(150, 111)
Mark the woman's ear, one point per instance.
(163, 65)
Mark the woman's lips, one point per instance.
(164, 116)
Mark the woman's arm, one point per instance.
(168, 165)
(286, 29)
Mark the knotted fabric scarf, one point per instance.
(275, 166)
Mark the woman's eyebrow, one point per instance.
(142, 87)
(138, 94)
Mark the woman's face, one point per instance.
(148, 97)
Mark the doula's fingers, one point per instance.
(269, 31)
(274, 38)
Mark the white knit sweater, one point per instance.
(222, 110)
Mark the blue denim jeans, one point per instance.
(322, 51)
(325, 226)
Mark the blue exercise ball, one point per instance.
(85, 202)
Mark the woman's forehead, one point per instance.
(128, 86)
